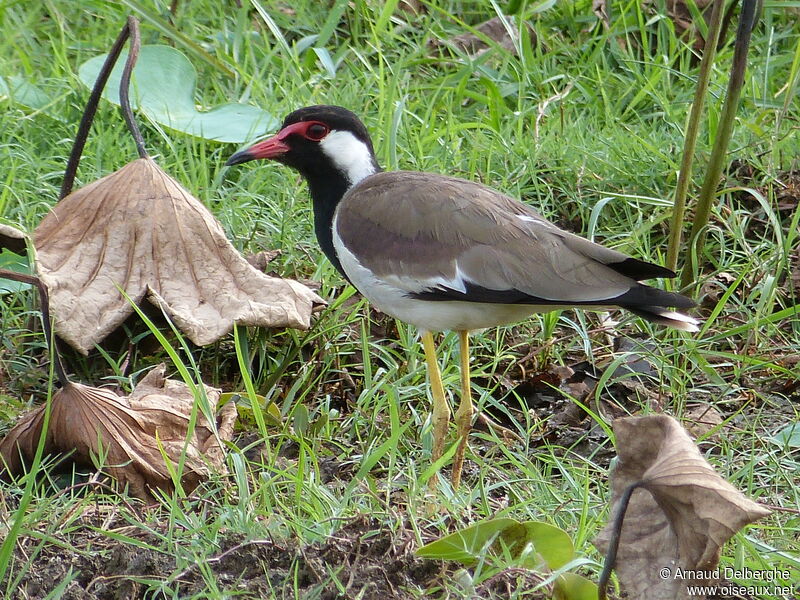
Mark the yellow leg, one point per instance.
(465, 409)
(441, 411)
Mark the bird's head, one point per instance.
(320, 142)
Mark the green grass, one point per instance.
(586, 129)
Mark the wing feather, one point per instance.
(426, 233)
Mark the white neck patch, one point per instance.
(350, 155)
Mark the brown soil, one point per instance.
(367, 561)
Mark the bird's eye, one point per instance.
(316, 131)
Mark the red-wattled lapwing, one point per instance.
(444, 253)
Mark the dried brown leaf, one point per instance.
(680, 516)
(700, 420)
(261, 260)
(412, 7)
(139, 230)
(12, 238)
(130, 433)
(683, 20)
(600, 10)
(505, 34)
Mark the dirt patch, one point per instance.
(361, 560)
(368, 562)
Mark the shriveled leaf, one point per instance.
(412, 7)
(130, 433)
(504, 32)
(680, 516)
(702, 421)
(600, 10)
(137, 230)
(467, 544)
(687, 15)
(163, 87)
(12, 239)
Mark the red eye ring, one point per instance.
(316, 131)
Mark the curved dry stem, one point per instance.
(613, 543)
(131, 29)
(89, 112)
(125, 85)
(44, 300)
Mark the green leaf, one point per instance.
(10, 408)
(540, 7)
(534, 540)
(326, 61)
(300, 419)
(467, 544)
(334, 16)
(788, 436)
(20, 91)
(318, 425)
(157, 20)
(570, 586)
(513, 7)
(16, 263)
(163, 88)
(273, 413)
(245, 417)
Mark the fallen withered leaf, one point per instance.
(702, 420)
(600, 10)
(129, 432)
(411, 7)
(505, 34)
(138, 230)
(261, 260)
(676, 10)
(680, 514)
(12, 238)
(681, 15)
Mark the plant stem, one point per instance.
(125, 85)
(616, 534)
(747, 19)
(44, 300)
(89, 112)
(690, 140)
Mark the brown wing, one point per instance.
(430, 234)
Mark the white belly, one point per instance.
(428, 315)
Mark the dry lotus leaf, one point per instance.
(677, 10)
(703, 421)
(12, 238)
(138, 230)
(681, 15)
(130, 433)
(504, 33)
(680, 516)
